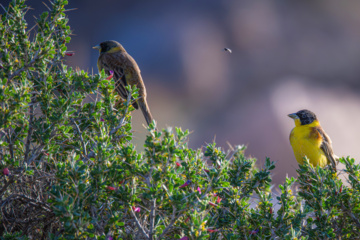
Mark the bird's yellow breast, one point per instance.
(306, 141)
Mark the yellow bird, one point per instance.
(308, 139)
(114, 58)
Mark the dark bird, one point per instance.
(308, 139)
(115, 60)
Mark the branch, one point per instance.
(11, 149)
(91, 153)
(32, 201)
(80, 135)
(152, 218)
(350, 214)
(173, 220)
(123, 118)
(37, 152)
(17, 72)
(182, 212)
(7, 183)
(138, 223)
(28, 138)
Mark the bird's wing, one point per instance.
(109, 62)
(115, 62)
(326, 147)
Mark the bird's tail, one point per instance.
(145, 110)
(333, 159)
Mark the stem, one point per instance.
(152, 218)
(17, 72)
(7, 183)
(123, 118)
(28, 138)
(80, 135)
(138, 224)
(11, 148)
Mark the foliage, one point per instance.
(70, 170)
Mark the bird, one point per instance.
(114, 59)
(227, 50)
(308, 139)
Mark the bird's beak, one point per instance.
(293, 116)
(96, 47)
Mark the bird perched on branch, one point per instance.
(308, 139)
(114, 58)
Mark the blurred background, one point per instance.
(286, 56)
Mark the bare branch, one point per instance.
(80, 135)
(348, 211)
(138, 223)
(152, 218)
(91, 153)
(173, 220)
(28, 138)
(123, 118)
(11, 148)
(32, 201)
(36, 153)
(7, 183)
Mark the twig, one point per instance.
(152, 218)
(3, 189)
(351, 215)
(123, 118)
(91, 153)
(80, 135)
(28, 138)
(32, 201)
(11, 149)
(17, 72)
(37, 152)
(173, 220)
(138, 224)
(119, 126)
(229, 157)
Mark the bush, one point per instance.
(70, 170)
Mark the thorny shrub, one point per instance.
(70, 171)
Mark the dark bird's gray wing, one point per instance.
(114, 62)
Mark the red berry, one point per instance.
(184, 238)
(6, 171)
(136, 209)
(185, 184)
(212, 204)
(111, 75)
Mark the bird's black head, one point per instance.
(304, 116)
(109, 46)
